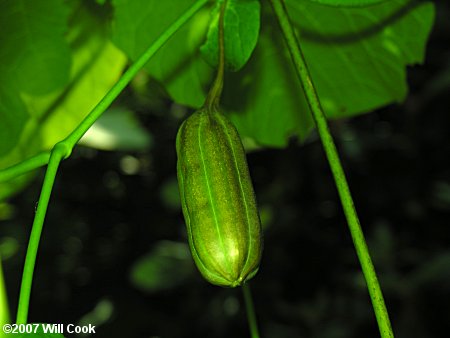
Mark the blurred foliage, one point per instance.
(167, 266)
(117, 129)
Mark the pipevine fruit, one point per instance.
(218, 201)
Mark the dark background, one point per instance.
(101, 220)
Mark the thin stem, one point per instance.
(57, 154)
(215, 92)
(4, 309)
(63, 149)
(25, 166)
(252, 323)
(362, 251)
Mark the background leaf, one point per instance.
(178, 63)
(168, 265)
(357, 58)
(34, 58)
(96, 65)
(241, 22)
(33, 52)
(13, 115)
(117, 129)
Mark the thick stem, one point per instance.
(338, 173)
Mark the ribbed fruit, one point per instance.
(218, 200)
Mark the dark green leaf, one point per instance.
(97, 64)
(177, 64)
(357, 58)
(241, 22)
(33, 51)
(13, 117)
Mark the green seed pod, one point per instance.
(218, 201)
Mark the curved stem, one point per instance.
(362, 251)
(215, 92)
(63, 149)
(252, 323)
(57, 154)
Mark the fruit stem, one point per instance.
(215, 92)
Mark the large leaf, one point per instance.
(96, 65)
(33, 51)
(357, 57)
(34, 58)
(241, 22)
(177, 64)
(13, 117)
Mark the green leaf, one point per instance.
(96, 66)
(177, 64)
(241, 22)
(168, 265)
(33, 52)
(13, 117)
(357, 58)
(265, 100)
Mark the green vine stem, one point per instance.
(4, 310)
(336, 168)
(57, 154)
(63, 149)
(24, 167)
(212, 104)
(214, 94)
(252, 323)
